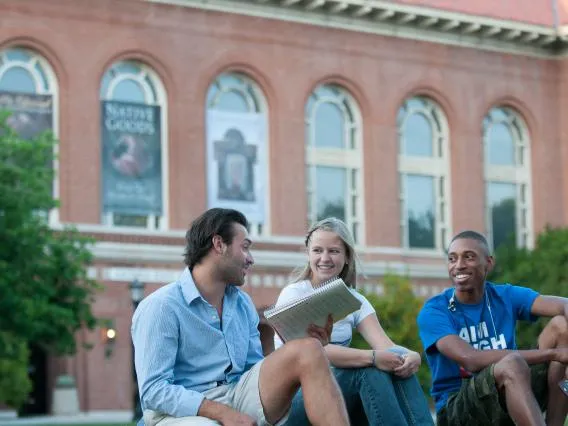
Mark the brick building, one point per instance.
(412, 120)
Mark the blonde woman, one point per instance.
(379, 385)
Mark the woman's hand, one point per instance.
(410, 365)
(388, 361)
(323, 334)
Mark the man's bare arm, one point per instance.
(475, 360)
(550, 306)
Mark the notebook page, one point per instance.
(276, 309)
(292, 323)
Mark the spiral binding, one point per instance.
(323, 287)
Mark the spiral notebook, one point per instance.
(291, 320)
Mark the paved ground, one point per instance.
(110, 417)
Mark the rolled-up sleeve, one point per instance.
(155, 334)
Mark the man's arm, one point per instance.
(224, 414)
(254, 352)
(474, 360)
(155, 334)
(550, 306)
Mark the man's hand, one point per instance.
(237, 418)
(410, 366)
(323, 334)
(388, 361)
(224, 414)
(560, 355)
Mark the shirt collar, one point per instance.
(189, 289)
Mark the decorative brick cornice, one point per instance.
(414, 22)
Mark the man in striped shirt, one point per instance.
(198, 354)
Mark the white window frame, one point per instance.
(348, 158)
(157, 96)
(44, 85)
(256, 103)
(437, 166)
(518, 175)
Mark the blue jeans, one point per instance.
(375, 398)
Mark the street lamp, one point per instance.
(136, 294)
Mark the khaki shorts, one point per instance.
(243, 396)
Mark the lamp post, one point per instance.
(136, 294)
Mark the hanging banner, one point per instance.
(31, 114)
(131, 158)
(236, 162)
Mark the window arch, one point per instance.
(25, 73)
(134, 137)
(507, 177)
(424, 174)
(334, 157)
(234, 92)
(236, 103)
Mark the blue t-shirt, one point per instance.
(487, 325)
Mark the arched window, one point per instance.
(424, 168)
(28, 88)
(237, 138)
(233, 92)
(507, 177)
(334, 157)
(134, 132)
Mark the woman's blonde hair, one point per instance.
(338, 227)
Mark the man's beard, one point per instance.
(233, 274)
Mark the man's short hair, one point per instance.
(199, 237)
(473, 235)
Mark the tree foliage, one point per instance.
(14, 382)
(397, 310)
(46, 293)
(544, 269)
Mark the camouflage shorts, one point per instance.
(479, 403)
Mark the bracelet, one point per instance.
(374, 357)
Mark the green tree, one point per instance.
(14, 382)
(545, 269)
(46, 293)
(397, 310)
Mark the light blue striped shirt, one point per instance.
(181, 350)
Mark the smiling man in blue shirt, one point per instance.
(197, 347)
(479, 376)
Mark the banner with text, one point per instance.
(131, 158)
